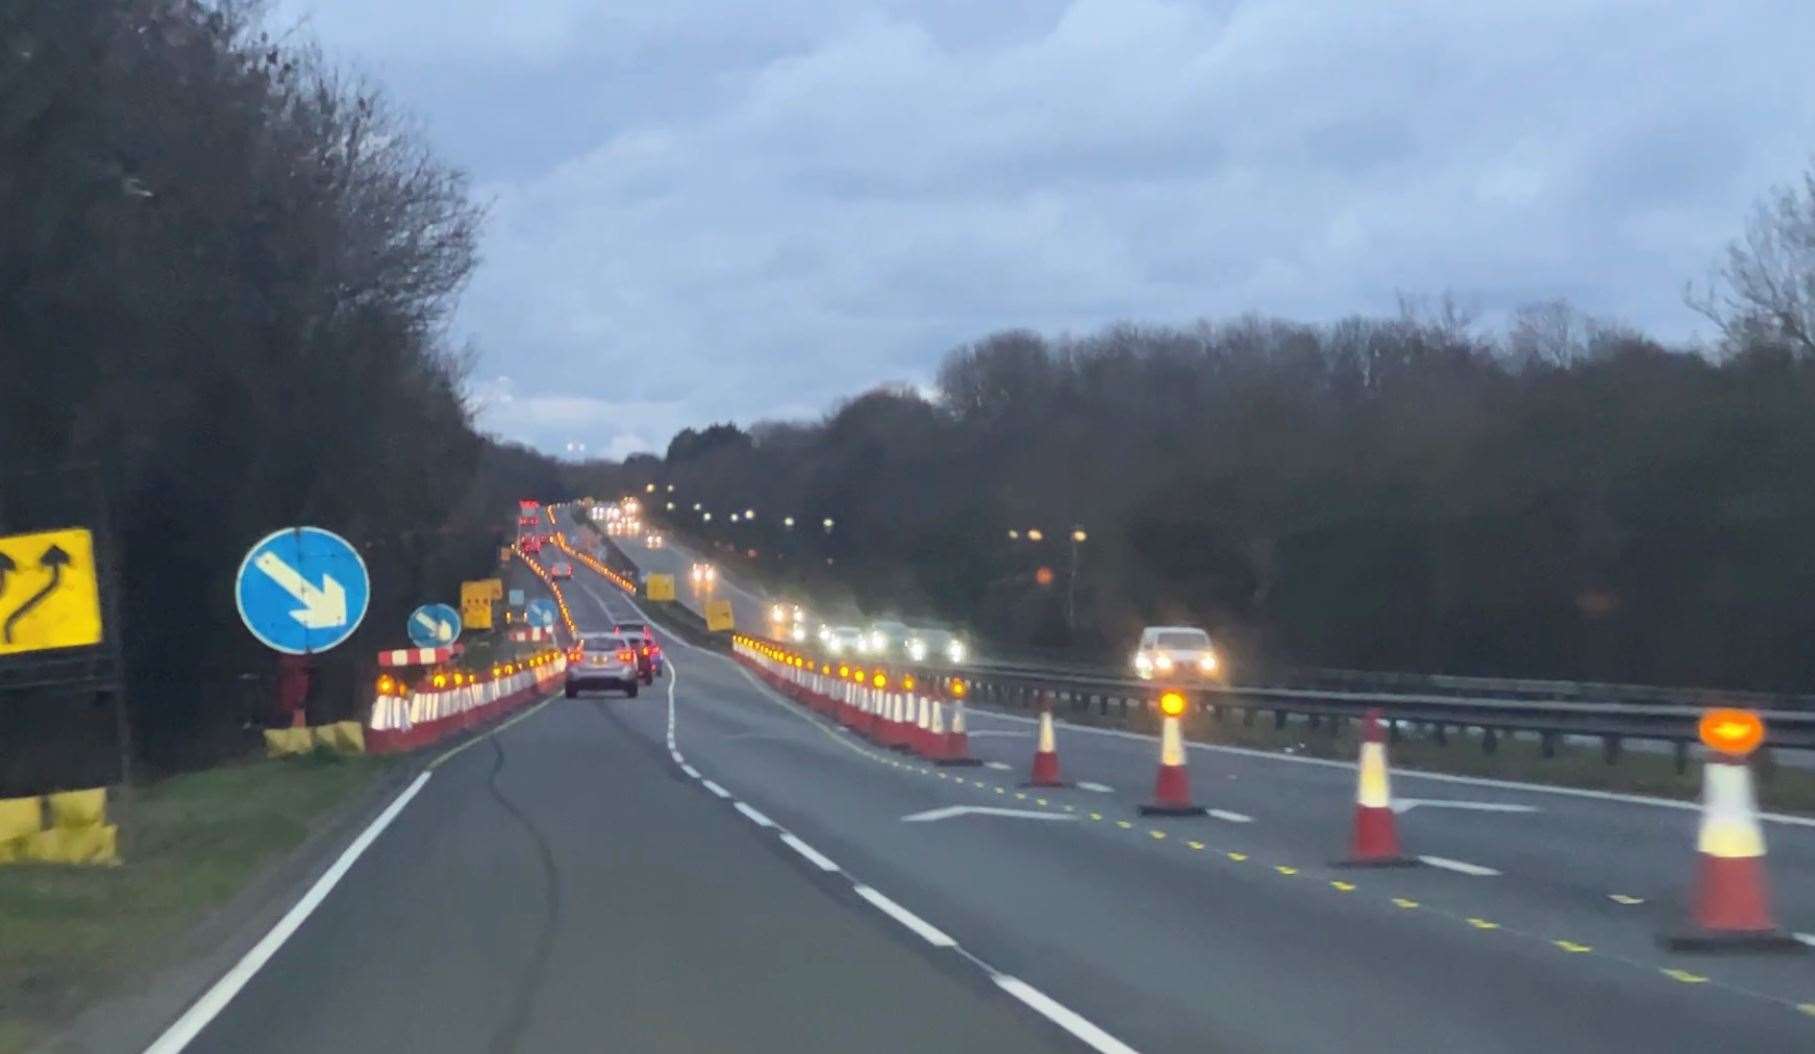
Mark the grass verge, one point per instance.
(73, 935)
(1639, 768)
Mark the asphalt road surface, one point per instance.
(1535, 927)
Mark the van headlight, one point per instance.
(1208, 662)
(956, 651)
(916, 650)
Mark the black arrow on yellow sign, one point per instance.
(53, 560)
(6, 564)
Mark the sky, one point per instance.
(737, 211)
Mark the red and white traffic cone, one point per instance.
(918, 740)
(957, 742)
(1046, 756)
(1731, 908)
(1376, 842)
(1172, 786)
(898, 724)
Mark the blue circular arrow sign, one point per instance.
(434, 626)
(540, 612)
(302, 590)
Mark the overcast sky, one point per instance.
(706, 211)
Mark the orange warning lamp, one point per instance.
(825, 668)
(386, 685)
(958, 688)
(1172, 704)
(880, 681)
(843, 670)
(857, 675)
(1732, 732)
(908, 682)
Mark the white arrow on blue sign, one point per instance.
(434, 626)
(540, 612)
(516, 598)
(302, 590)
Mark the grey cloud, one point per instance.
(709, 211)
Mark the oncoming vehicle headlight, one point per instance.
(1164, 662)
(776, 613)
(956, 651)
(1207, 662)
(916, 650)
(1142, 662)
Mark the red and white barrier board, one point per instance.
(416, 718)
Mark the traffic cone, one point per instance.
(917, 735)
(1046, 756)
(1731, 908)
(957, 743)
(1172, 787)
(1376, 832)
(898, 726)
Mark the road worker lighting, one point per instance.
(386, 685)
(843, 670)
(439, 680)
(1172, 704)
(880, 681)
(908, 682)
(1735, 733)
(959, 688)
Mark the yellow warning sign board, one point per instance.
(718, 615)
(659, 587)
(476, 602)
(49, 595)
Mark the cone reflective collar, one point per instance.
(1046, 756)
(1376, 836)
(957, 743)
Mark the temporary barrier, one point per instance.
(1172, 787)
(1376, 838)
(65, 827)
(406, 717)
(1046, 756)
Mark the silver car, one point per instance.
(602, 661)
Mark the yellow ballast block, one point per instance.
(20, 817)
(97, 844)
(342, 737)
(78, 808)
(281, 742)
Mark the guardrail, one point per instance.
(1106, 696)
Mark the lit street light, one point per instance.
(787, 521)
(1013, 535)
(671, 506)
(749, 514)
(734, 517)
(696, 506)
(826, 523)
(650, 489)
(706, 517)
(1071, 581)
(1034, 534)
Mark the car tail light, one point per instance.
(626, 655)
(576, 654)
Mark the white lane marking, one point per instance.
(1806, 938)
(755, 817)
(216, 998)
(997, 732)
(1408, 804)
(951, 811)
(1232, 817)
(1052, 1010)
(676, 755)
(1459, 865)
(997, 765)
(928, 932)
(1062, 1016)
(1100, 788)
(690, 770)
(716, 789)
(976, 713)
(818, 858)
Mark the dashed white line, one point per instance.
(715, 788)
(755, 817)
(818, 858)
(1459, 865)
(1100, 788)
(997, 765)
(1062, 1016)
(1232, 817)
(690, 770)
(1806, 938)
(927, 931)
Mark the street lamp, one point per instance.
(1013, 535)
(787, 521)
(671, 488)
(1034, 534)
(827, 524)
(749, 514)
(1071, 581)
(696, 506)
(706, 517)
(734, 517)
(671, 506)
(650, 489)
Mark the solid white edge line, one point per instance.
(216, 998)
(999, 766)
(715, 788)
(1062, 1016)
(973, 713)
(1462, 866)
(927, 931)
(690, 770)
(1232, 817)
(819, 859)
(755, 817)
(1806, 938)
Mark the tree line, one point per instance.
(1564, 497)
(226, 275)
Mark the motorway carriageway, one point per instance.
(1535, 928)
